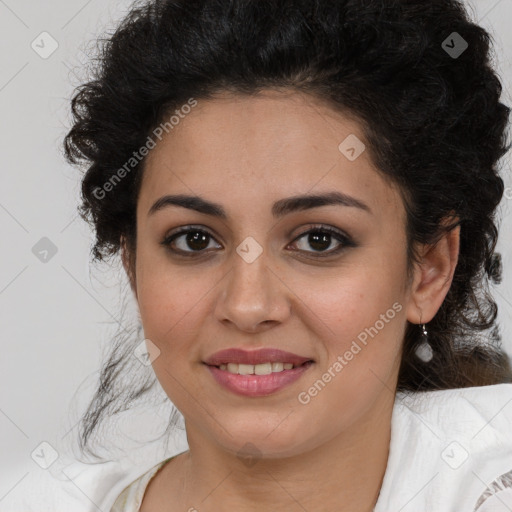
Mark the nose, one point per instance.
(252, 297)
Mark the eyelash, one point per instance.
(318, 229)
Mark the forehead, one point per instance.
(247, 150)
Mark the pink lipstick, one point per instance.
(258, 372)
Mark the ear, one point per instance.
(128, 264)
(433, 277)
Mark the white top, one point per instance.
(450, 451)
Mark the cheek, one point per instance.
(366, 315)
(367, 323)
(350, 303)
(164, 291)
(168, 309)
(157, 304)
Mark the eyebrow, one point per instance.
(280, 208)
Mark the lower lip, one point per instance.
(257, 385)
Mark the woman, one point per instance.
(303, 194)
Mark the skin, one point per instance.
(245, 153)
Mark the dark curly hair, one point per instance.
(432, 118)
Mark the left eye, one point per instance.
(319, 238)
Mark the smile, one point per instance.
(256, 369)
(257, 380)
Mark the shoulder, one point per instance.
(71, 487)
(130, 499)
(447, 447)
(458, 412)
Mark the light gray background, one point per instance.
(56, 317)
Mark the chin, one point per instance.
(259, 440)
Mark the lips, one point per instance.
(264, 355)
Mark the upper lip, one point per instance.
(263, 355)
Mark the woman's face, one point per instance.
(253, 280)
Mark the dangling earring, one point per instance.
(424, 350)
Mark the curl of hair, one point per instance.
(434, 124)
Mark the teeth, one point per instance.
(256, 369)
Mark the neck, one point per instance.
(348, 469)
